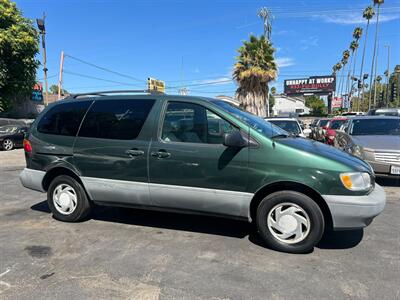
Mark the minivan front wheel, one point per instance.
(290, 221)
(67, 199)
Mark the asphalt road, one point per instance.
(126, 253)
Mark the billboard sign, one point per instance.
(156, 85)
(37, 92)
(337, 102)
(310, 85)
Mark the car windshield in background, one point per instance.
(392, 113)
(262, 126)
(8, 129)
(384, 126)
(323, 123)
(288, 125)
(336, 124)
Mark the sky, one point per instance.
(194, 43)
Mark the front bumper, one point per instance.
(382, 169)
(32, 179)
(350, 212)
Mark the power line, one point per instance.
(97, 78)
(104, 69)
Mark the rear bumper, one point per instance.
(350, 212)
(32, 179)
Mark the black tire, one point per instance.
(83, 205)
(7, 142)
(315, 216)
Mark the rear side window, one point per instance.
(63, 119)
(116, 119)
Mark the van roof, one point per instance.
(89, 96)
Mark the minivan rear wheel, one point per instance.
(290, 221)
(67, 199)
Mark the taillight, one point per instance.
(27, 146)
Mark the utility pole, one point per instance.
(42, 31)
(183, 90)
(373, 58)
(267, 17)
(375, 74)
(387, 73)
(60, 77)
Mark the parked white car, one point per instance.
(291, 125)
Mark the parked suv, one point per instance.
(196, 155)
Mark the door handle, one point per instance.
(161, 154)
(134, 152)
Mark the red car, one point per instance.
(331, 127)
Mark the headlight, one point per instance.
(356, 181)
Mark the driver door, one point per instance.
(191, 169)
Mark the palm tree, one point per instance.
(376, 2)
(353, 48)
(368, 14)
(344, 61)
(357, 33)
(336, 67)
(254, 69)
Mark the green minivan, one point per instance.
(195, 155)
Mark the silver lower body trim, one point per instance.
(204, 200)
(230, 203)
(32, 179)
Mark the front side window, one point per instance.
(63, 119)
(116, 119)
(289, 126)
(257, 123)
(192, 123)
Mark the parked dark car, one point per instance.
(12, 136)
(375, 139)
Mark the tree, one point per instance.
(357, 33)
(254, 69)
(317, 105)
(374, 57)
(336, 68)
(54, 90)
(19, 43)
(368, 14)
(344, 61)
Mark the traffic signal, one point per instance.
(393, 92)
(381, 97)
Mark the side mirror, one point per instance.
(234, 139)
(303, 126)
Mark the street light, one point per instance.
(40, 24)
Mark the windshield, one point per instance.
(288, 125)
(323, 123)
(336, 124)
(384, 126)
(262, 126)
(8, 129)
(390, 113)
